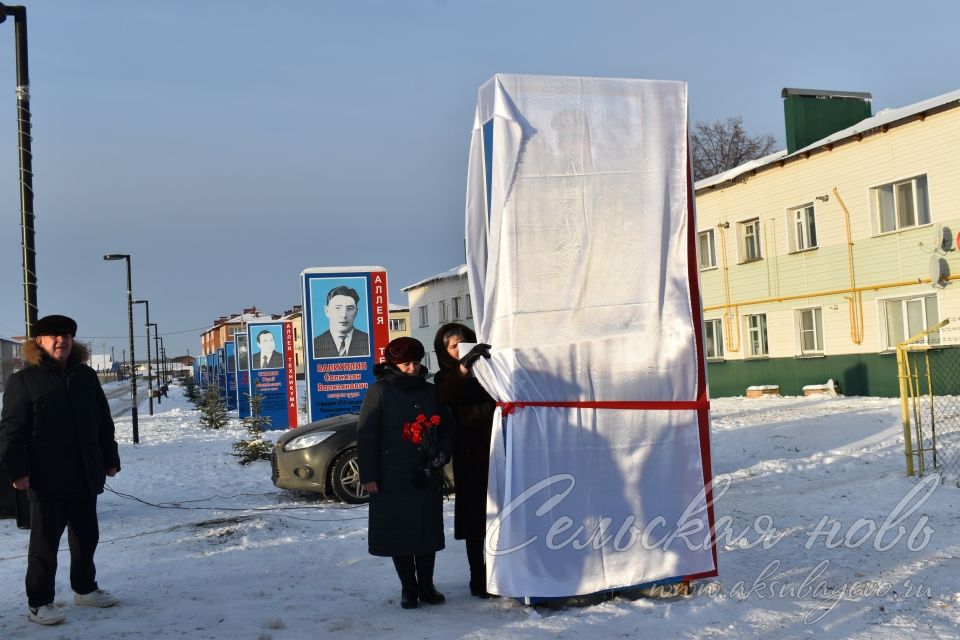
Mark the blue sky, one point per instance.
(228, 145)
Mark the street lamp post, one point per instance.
(163, 350)
(157, 344)
(133, 360)
(156, 350)
(27, 243)
(146, 303)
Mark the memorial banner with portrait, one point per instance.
(345, 330)
(272, 373)
(243, 375)
(230, 353)
(221, 378)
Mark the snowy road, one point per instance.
(196, 545)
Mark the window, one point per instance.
(424, 316)
(757, 335)
(909, 316)
(469, 307)
(714, 337)
(750, 240)
(803, 228)
(810, 325)
(455, 307)
(903, 204)
(399, 324)
(705, 250)
(442, 308)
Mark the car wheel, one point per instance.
(345, 478)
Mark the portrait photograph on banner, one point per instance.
(339, 317)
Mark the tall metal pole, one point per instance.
(156, 345)
(27, 244)
(146, 304)
(163, 350)
(133, 359)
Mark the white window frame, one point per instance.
(802, 228)
(469, 306)
(455, 307)
(919, 190)
(810, 324)
(756, 325)
(922, 303)
(442, 311)
(424, 316)
(749, 234)
(713, 328)
(708, 261)
(398, 324)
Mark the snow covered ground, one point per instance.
(197, 546)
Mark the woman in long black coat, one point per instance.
(401, 474)
(472, 409)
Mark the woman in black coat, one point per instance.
(472, 409)
(403, 440)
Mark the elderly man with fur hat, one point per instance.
(57, 443)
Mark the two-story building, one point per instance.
(433, 302)
(817, 260)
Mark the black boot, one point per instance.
(478, 570)
(406, 570)
(428, 592)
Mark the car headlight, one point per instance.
(307, 440)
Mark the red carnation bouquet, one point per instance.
(423, 433)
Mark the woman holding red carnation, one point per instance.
(403, 440)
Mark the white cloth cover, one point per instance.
(580, 277)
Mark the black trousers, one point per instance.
(48, 519)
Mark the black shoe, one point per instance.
(479, 592)
(408, 599)
(430, 595)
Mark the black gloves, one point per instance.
(474, 354)
(439, 459)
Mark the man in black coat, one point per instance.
(57, 443)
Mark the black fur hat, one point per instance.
(55, 326)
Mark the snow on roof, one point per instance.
(398, 307)
(452, 273)
(881, 118)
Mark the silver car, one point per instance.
(320, 457)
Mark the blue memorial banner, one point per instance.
(345, 332)
(210, 362)
(222, 373)
(272, 372)
(230, 353)
(243, 375)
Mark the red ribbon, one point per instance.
(637, 405)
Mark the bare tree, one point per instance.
(725, 144)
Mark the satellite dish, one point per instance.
(940, 240)
(938, 271)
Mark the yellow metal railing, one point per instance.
(925, 407)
